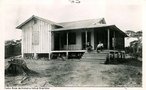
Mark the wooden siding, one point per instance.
(44, 44)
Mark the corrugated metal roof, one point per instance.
(82, 23)
(90, 23)
(111, 27)
(75, 25)
(81, 27)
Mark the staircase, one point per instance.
(94, 56)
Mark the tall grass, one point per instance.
(128, 76)
(58, 72)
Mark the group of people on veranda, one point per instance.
(99, 47)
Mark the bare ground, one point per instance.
(78, 73)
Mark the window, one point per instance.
(35, 38)
(71, 38)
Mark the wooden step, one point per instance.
(94, 56)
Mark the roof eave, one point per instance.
(33, 16)
(125, 35)
(20, 26)
(65, 29)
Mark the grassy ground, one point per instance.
(79, 73)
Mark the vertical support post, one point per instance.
(114, 45)
(52, 41)
(59, 41)
(123, 41)
(108, 39)
(108, 43)
(67, 40)
(22, 53)
(92, 39)
(114, 40)
(86, 37)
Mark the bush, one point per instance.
(12, 48)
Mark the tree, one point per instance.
(138, 35)
(137, 44)
(12, 48)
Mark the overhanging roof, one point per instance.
(111, 27)
(39, 18)
(81, 27)
(75, 25)
(114, 27)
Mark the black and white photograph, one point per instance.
(72, 43)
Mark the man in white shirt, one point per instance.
(99, 47)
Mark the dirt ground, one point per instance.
(78, 73)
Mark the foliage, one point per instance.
(131, 33)
(135, 46)
(12, 48)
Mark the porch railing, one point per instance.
(72, 47)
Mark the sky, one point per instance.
(125, 14)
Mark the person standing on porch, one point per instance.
(99, 47)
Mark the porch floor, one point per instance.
(82, 54)
(58, 51)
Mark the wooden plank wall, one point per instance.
(44, 37)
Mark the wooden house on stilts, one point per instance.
(42, 37)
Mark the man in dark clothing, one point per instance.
(89, 47)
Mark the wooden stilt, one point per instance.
(49, 56)
(66, 55)
(35, 56)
